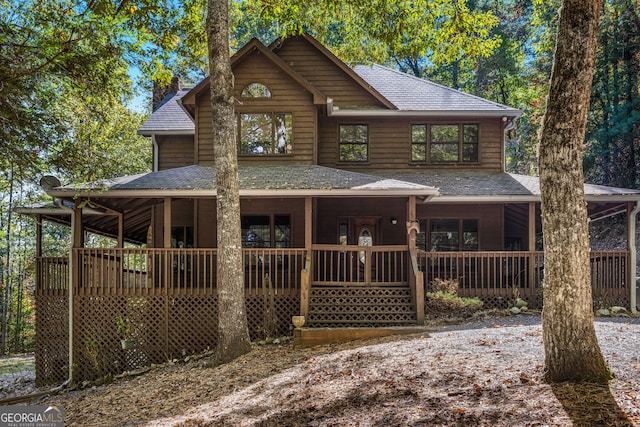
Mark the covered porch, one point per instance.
(352, 257)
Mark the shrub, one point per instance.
(449, 304)
(444, 285)
(444, 301)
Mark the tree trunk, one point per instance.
(571, 347)
(233, 333)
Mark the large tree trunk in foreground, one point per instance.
(571, 347)
(233, 333)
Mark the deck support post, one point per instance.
(77, 241)
(531, 288)
(305, 275)
(631, 269)
(416, 277)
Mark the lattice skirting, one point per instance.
(165, 328)
(52, 339)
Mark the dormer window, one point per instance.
(256, 90)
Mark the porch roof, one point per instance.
(457, 186)
(263, 180)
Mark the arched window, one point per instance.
(256, 90)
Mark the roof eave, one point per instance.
(433, 113)
(200, 193)
(607, 198)
(166, 132)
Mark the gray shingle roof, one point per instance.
(266, 177)
(493, 184)
(169, 116)
(409, 93)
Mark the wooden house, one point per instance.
(358, 187)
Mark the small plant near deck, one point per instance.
(444, 301)
(126, 328)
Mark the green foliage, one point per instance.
(439, 32)
(447, 304)
(612, 156)
(443, 300)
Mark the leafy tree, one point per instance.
(613, 131)
(233, 331)
(571, 347)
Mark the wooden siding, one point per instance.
(204, 223)
(174, 151)
(390, 144)
(287, 97)
(324, 74)
(489, 216)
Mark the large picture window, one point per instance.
(353, 143)
(440, 143)
(446, 235)
(266, 231)
(265, 133)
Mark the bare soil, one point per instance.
(486, 373)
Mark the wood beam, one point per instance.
(121, 231)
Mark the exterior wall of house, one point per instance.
(390, 144)
(174, 151)
(200, 215)
(287, 96)
(300, 55)
(329, 211)
(489, 216)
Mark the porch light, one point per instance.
(394, 220)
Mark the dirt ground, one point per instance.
(486, 373)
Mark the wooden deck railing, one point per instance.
(52, 274)
(498, 273)
(360, 265)
(181, 271)
(149, 271)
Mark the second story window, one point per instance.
(451, 143)
(353, 144)
(265, 133)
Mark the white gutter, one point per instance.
(633, 258)
(166, 132)
(244, 193)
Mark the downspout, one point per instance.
(633, 257)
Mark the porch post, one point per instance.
(416, 280)
(631, 246)
(305, 279)
(77, 241)
(532, 249)
(38, 251)
(167, 222)
(121, 230)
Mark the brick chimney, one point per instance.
(160, 92)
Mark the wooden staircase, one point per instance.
(360, 306)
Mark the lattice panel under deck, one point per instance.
(193, 325)
(52, 339)
(285, 308)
